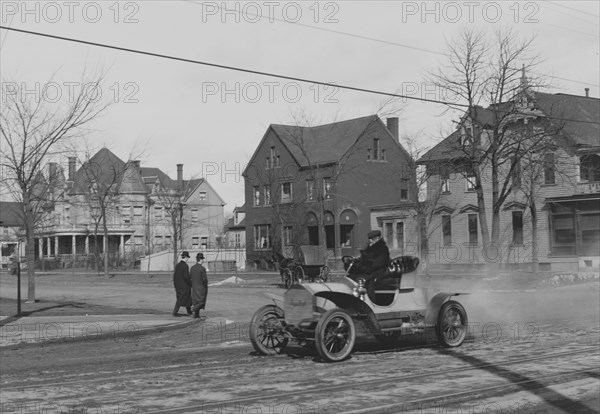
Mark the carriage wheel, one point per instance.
(299, 274)
(267, 334)
(335, 335)
(451, 328)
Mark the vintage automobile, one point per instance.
(330, 315)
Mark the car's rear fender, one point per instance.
(434, 305)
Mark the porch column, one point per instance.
(48, 251)
(122, 245)
(87, 245)
(74, 246)
(41, 247)
(56, 246)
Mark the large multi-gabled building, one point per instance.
(561, 181)
(141, 205)
(314, 186)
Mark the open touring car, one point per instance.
(330, 314)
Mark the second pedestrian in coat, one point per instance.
(199, 285)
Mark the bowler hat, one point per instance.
(200, 256)
(374, 233)
(185, 254)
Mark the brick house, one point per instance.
(235, 230)
(10, 224)
(314, 186)
(562, 182)
(137, 212)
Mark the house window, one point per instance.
(472, 228)
(202, 196)
(446, 230)
(589, 168)
(237, 240)
(158, 241)
(204, 242)
(400, 236)
(168, 241)
(158, 212)
(267, 163)
(330, 237)
(313, 235)
(126, 214)
(286, 192)
(382, 155)
(445, 180)
(256, 196)
(194, 215)
(375, 148)
(368, 154)
(195, 242)
(590, 234)
(327, 188)
(563, 235)
(549, 176)
(267, 192)
(262, 238)
(139, 240)
(137, 213)
(403, 194)
(346, 235)
(310, 190)
(517, 226)
(388, 235)
(516, 174)
(287, 236)
(471, 181)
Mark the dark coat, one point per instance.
(373, 259)
(183, 284)
(199, 285)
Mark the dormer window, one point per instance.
(589, 168)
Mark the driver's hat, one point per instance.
(374, 233)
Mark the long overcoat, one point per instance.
(199, 285)
(183, 284)
(373, 259)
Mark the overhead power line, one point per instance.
(255, 72)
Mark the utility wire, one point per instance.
(255, 72)
(383, 41)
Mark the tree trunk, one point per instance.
(535, 261)
(30, 259)
(105, 245)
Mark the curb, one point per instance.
(103, 336)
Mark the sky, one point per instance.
(211, 119)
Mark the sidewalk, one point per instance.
(122, 328)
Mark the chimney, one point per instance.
(72, 163)
(587, 92)
(136, 164)
(392, 125)
(180, 175)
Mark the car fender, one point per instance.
(434, 305)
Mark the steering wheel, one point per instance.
(348, 261)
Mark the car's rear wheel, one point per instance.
(335, 335)
(452, 325)
(267, 335)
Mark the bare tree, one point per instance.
(490, 79)
(33, 130)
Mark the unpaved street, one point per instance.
(528, 352)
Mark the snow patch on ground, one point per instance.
(229, 281)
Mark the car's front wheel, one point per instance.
(335, 335)
(452, 325)
(267, 335)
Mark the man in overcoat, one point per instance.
(199, 285)
(373, 261)
(183, 285)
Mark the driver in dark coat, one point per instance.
(199, 285)
(373, 261)
(183, 285)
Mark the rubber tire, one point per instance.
(324, 328)
(269, 313)
(440, 328)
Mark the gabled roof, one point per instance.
(559, 108)
(9, 214)
(104, 167)
(324, 143)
